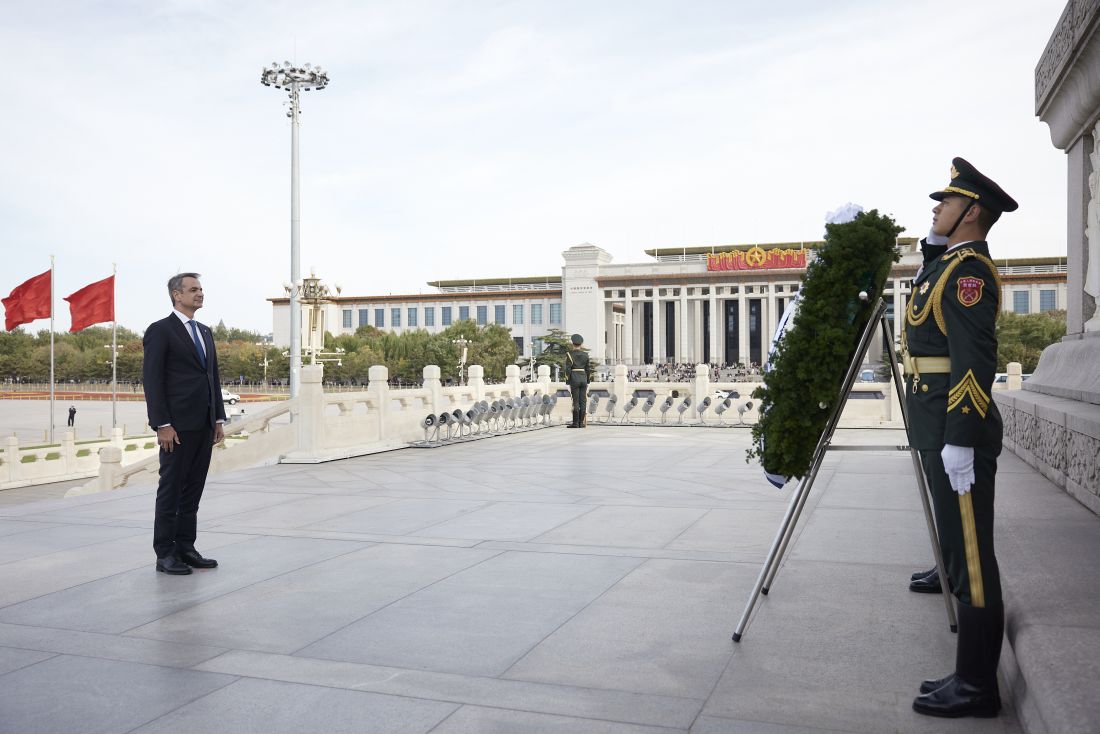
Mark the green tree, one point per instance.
(1022, 337)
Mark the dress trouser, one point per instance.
(965, 525)
(580, 398)
(182, 478)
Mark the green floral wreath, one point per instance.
(808, 365)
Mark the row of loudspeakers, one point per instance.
(484, 418)
(719, 407)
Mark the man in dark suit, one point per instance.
(184, 399)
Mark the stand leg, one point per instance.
(922, 486)
(772, 553)
(790, 528)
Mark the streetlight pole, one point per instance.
(294, 79)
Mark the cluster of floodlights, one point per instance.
(669, 404)
(485, 419)
(287, 76)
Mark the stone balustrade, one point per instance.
(317, 426)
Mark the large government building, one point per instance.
(716, 304)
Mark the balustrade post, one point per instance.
(110, 467)
(117, 439)
(378, 386)
(475, 380)
(511, 380)
(434, 387)
(311, 410)
(621, 388)
(544, 379)
(11, 459)
(68, 451)
(1015, 376)
(700, 388)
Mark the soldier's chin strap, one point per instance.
(958, 221)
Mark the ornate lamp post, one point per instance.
(294, 79)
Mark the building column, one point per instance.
(742, 326)
(715, 326)
(628, 330)
(682, 329)
(899, 308)
(658, 346)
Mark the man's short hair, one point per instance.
(987, 218)
(175, 283)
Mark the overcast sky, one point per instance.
(481, 139)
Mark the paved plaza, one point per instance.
(554, 581)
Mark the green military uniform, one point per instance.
(950, 349)
(576, 363)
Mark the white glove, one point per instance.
(935, 239)
(958, 462)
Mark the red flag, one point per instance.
(28, 301)
(92, 304)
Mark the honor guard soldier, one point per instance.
(576, 365)
(950, 353)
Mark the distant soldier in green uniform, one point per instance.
(950, 350)
(576, 365)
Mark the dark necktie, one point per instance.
(198, 344)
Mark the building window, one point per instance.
(555, 313)
(395, 318)
(1021, 301)
(517, 314)
(446, 315)
(347, 318)
(364, 316)
(463, 313)
(519, 345)
(482, 315)
(536, 313)
(429, 316)
(379, 318)
(536, 346)
(1048, 300)
(498, 314)
(412, 316)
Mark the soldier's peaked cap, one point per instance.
(577, 340)
(968, 181)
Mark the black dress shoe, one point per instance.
(194, 559)
(958, 698)
(173, 565)
(922, 574)
(927, 686)
(930, 584)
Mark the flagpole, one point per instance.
(114, 347)
(52, 274)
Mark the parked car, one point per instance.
(867, 376)
(229, 397)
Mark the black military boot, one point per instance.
(973, 690)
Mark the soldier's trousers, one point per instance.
(965, 525)
(580, 398)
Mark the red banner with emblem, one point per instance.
(757, 258)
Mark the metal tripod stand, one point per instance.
(824, 444)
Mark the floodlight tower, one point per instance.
(294, 79)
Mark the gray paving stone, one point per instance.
(297, 513)
(481, 720)
(295, 609)
(661, 711)
(110, 647)
(664, 629)
(507, 521)
(69, 694)
(134, 598)
(717, 725)
(19, 546)
(259, 707)
(13, 527)
(863, 536)
(14, 659)
(479, 621)
(400, 516)
(746, 534)
(647, 527)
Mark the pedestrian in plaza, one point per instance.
(184, 400)
(72, 416)
(576, 363)
(950, 350)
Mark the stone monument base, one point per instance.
(1053, 423)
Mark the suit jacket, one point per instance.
(178, 389)
(952, 313)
